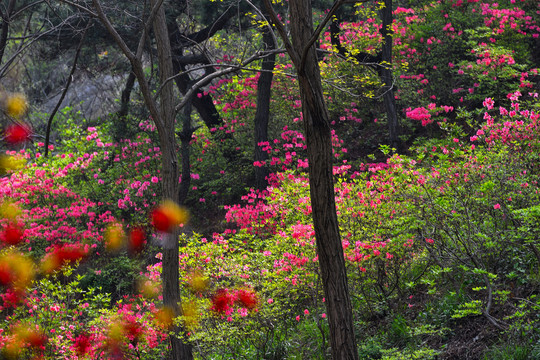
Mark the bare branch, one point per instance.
(258, 55)
(282, 33)
(239, 67)
(259, 12)
(209, 31)
(136, 64)
(337, 4)
(117, 38)
(68, 83)
(152, 15)
(80, 7)
(20, 50)
(26, 7)
(350, 93)
(207, 79)
(146, 29)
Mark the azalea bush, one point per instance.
(59, 318)
(472, 209)
(449, 219)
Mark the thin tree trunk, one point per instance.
(185, 137)
(126, 95)
(66, 88)
(164, 119)
(120, 130)
(319, 148)
(386, 74)
(6, 20)
(170, 272)
(262, 115)
(203, 103)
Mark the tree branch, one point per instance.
(110, 28)
(259, 12)
(282, 33)
(21, 49)
(207, 79)
(337, 4)
(25, 7)
(68, 83)
(136, 65)
(365, 58)
(80, 7)
(209, 31)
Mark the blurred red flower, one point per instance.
(17, 133)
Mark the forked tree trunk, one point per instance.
(319, 148)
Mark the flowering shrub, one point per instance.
(452, 210)
(78, 323)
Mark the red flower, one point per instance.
(82, 344)
(133, 329)
(11, 298)
(17, 133)
(160, 220)
(6, 275)
(168, 215)
(69, 254)
(137, 238)
(12, 235)
(36, 339)
(221, 301)
(247, 299)
(66, 254)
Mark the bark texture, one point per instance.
(386, 74)
(185, 137)
(6, 20)
(319, 148)
(170, 174)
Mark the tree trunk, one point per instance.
(386, 74)
(319, 148)
(262, 115)
(167, 137)
(185, 137)
(126, 95)
(64, 92)
(203, 103)
(6, 21)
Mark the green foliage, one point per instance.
(114, 275)
(67, 292)
(96, 168)
(398, 332)
(409, 354)
(370, 350)
(440, 224)
(509, 352)
(58, 303)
